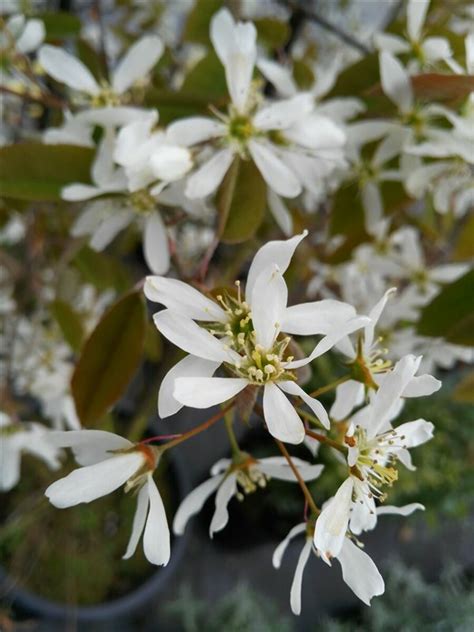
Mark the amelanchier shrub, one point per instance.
(291, 207)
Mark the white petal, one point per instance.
(279, 253)
(416, 15)
(10, 460)
(374, 315)
(278, 76)
(348, 395)
(391, 43)
(406, 510)
(281, 548)
(436, 48)
(316, 132)
(194, 502)
(280, 213)
(268, 304)
(109, 229)
(396, 82)
(67, 69)
(190, 366)
(93, 481)
(79, 192)
(137, 62)
(330, 339)
(227, 489)
(89, 446)
(208, 177)
(155, 244)
(103, 168)
(278, 468)
(275, 173)
(156, 539)
(138, 522)
(373, 206)
(32, 36)
(295, 592)
(318, 409)
(170, 162)
(282, 114)
(281, 418)
(114, 116)
(363, 515)
(194, 130)
(421, 386)
(331, 525)
(317, 317)
(415, 433)
(203, 392)
(448, 272)
(359, 572)
(183, 298)
(184, 333)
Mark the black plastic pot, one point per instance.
(116, 614)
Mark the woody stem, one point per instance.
(323, 439)
(302, 484)
(330, 387)
(229, 421)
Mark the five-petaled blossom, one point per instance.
(245, 337)
(374, 448)
(109, 461)
(242, 475)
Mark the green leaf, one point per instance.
(465, 241)
(272, 33)
(303, 74)
(69, 322)
(32, 171)
(206, 79)
(464, 391)
(109, 358)
(451, 313)
(92, 59)
(198, 22)
(60, 24)
(241, 200)
(347, 218)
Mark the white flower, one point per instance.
(135, 65)
(358, 569)
(104, 219)
(109, 461)
(243, 335)
(17, 439)
(288, 142)
(425, 51)
(368, 364)
(236, 478)
(27, 35)
(374, 448)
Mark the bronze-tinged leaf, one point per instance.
(437, 87)
(241, 200)
(32, 171)
(109, 358)
(451, 313)
(69, 322)
(464, 391)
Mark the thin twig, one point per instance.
(44, 99)
(324, 439)
(302, 484)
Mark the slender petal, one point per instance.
(227, 489)
(359, 572)
(183, 298)
(279, 253)
(281, 548)
(278, 467)
(415, 433)
(281, 418)
(295, 592)
(374, 316)
(406, 510)
(318, 409)
(155, 244)
(203, 392)
(187, 335)
(280, 212)
(416, 16)
(137, 62)
(348, 395)
(278, 76)
(373, 205)
(396, 82)
(331, 525)
(421, 386)
(109, 228)
(93, 481)
(156, 539)
(193, 130)
(208, 177)
(67, 69)
(268, 304)
(32, 36)
(194, 502)
(282, 114)
(317, 317)
(89, 446)
(190, 366)
(274, 171)
(138, 521)
(10, 461)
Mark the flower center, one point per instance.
(106, 97)
(377, 460)
(142, 201)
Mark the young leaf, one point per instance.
(451, 313)
(199, 18)
(241, 201)
(32, 171)
(109, 358)
(60, 24)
